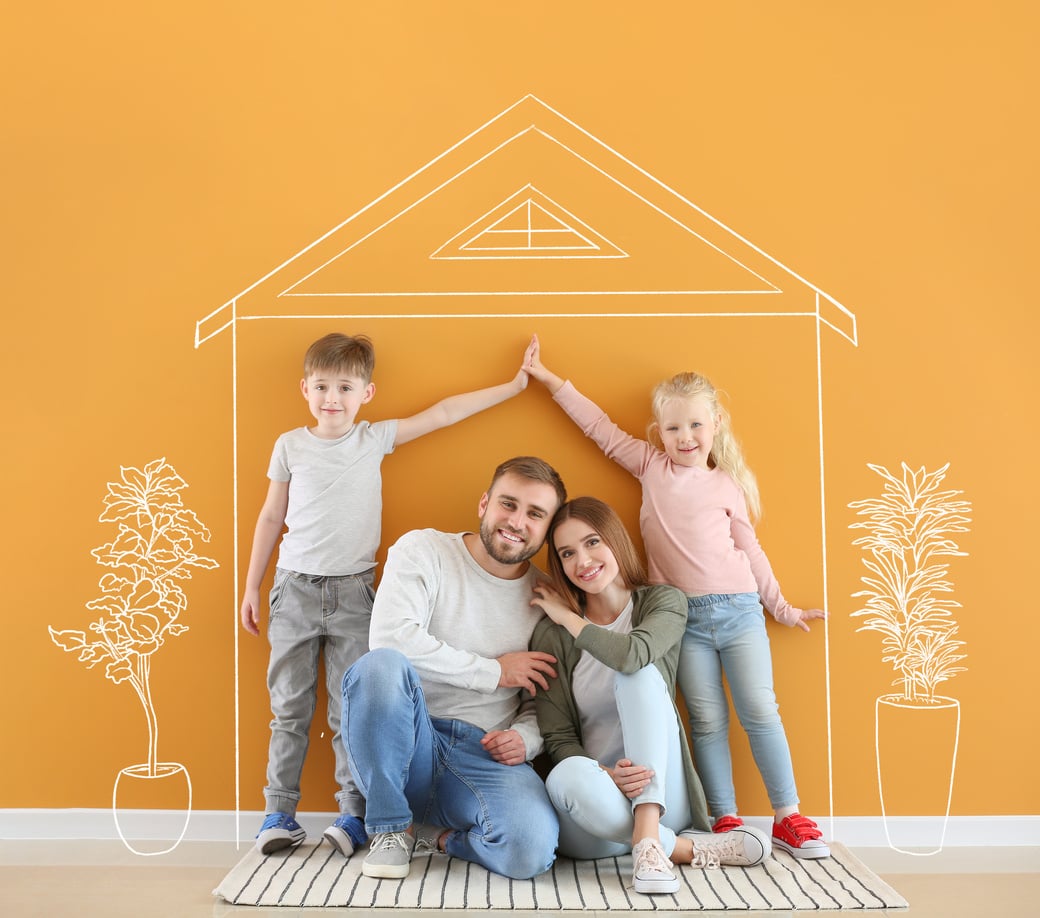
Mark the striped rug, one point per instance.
(317, 875)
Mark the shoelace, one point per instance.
(391, 840)
(653, 859)
(273, 820)
(706, 860)
(802, 828)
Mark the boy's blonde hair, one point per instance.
(726, 452)
(335, 352)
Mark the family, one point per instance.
(469, 663)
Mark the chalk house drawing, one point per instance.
(907, 601)
(141, 602)
(489, 229)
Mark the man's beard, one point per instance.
(517, 555)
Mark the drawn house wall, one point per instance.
(532, 224)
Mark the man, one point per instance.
(437, 731)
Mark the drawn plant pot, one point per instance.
(139, 799)
(916, 758)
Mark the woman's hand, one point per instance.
(548, 599)
(631, 779)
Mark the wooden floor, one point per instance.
(102, 879)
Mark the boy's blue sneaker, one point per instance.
(279, 831)
(347, 834)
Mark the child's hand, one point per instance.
(805, 615)
(251, 614)
(534, 367)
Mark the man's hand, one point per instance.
(505, 746)
(526, 669)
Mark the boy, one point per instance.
(326, 490)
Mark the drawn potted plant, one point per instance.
(142, 598)
(908, 531)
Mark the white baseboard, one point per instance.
(917, 832)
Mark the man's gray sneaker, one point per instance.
(389, 856)
(426, 838)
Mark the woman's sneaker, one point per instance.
(279, 831)
(799, 836)
(727, 824)
(346, 834)
(651, 869)
(742, 846)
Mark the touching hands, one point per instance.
(505, 746)
(631, 779)
(535, 368)
(526, 669)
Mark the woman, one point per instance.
(622, 778)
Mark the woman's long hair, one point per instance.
(602, 519)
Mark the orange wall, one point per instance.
(160, 160)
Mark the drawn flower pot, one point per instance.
(137, 798)
(916, 758)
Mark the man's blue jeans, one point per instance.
(412, 767)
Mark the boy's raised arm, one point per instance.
(455, 408)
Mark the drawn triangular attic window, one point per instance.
(530, 204)
(528, 224)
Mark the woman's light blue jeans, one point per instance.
(595, 816)
(412, 767)
(726, 634)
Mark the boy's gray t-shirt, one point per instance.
(335, 510)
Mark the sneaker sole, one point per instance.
(339, 840)
(385, 871)
(803, 853)
(656, 887)
(277, 844)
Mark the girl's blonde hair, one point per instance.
(726, 452)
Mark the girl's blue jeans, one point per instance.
(595, 816)
(726, 635)
(412, 767)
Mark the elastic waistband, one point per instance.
(711, 599)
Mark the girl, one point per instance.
(699, 499)
(623, 778)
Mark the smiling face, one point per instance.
(687, 429)
(514, 518)
(585, 558)
(334, 397)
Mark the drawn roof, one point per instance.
(530, 205)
